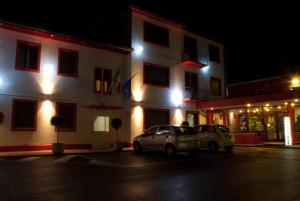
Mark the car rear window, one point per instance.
(184, 130)
(223, 129)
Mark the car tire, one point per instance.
(213, 147)
(137, 148)
(229, 148)
(170, 150)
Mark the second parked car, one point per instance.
(215, 137)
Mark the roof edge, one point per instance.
(62, 37)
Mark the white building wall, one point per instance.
(161, 97)
(17, 84)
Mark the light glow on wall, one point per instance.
(138, 50)
(47, 86)
(287, 131)
(177, 97)
(137, 94)
(48, 79)
(137, 118)
(47, 110)
(205, 69)
(178, 117)
(1, 81)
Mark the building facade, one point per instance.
(167, 69)
(256, 111)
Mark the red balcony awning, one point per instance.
(195, 64)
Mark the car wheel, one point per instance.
(137, 148)
(229, 148)
(213, 147)
(170, 150)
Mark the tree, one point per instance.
(57, 121)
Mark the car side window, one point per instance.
(164, 130)
(151, 131)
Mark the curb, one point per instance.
(49, 152)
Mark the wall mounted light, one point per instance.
(177, 97)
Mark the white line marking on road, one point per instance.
(29, 158)
(64, 159)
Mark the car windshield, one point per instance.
(185, 130)
(224, 129)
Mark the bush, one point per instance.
(57, 121)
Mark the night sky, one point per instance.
(261, 40)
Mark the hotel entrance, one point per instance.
(275, 126)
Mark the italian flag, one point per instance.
(117, 81)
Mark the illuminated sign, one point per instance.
(287, 131)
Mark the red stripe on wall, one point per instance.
(42, 147)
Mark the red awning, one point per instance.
(193, 64)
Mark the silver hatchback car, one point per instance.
(167, 138)
(215, 137)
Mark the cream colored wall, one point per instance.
(31, 85)
(161, 97)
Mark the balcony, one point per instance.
(190, 59)
(195, 95)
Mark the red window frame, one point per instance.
(219, 92)
(60, 50)
(74, 116)
(15, 101)
(156, 66)
(18, 65)
(145, 110)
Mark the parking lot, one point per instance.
(244, 174)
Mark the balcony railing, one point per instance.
(194, 95)
(193, 60)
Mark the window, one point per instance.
(24, 115)
(156, 34)
(215, 86)
(156, 75)
(190, 49)
(164, 130)
(101, 124)
(192, 117)
(191, 81)
(155, 116)
(103, 78)
(68, 62)
(297, 119)
(28, 56)
(68, 112)
(214, 53)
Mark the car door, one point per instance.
(203, 135)
(161, 137)
(148, 137)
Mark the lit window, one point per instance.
(103, 78)
(101, 124)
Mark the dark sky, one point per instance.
(261, 40)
